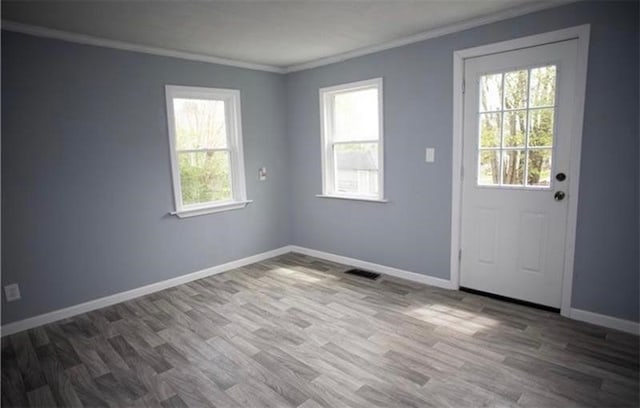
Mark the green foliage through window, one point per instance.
(202, 148)
(516, 127)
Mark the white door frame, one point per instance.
(580, 33)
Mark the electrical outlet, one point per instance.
(12, 292)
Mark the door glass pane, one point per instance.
(355, 115)
(200, 124)
(490, 93)
(515, 128)
(356, 168)
(489, 168)
(543, 86)
(513, 167)
(205, 177)
(541, 127)
(515, 89)
(539, 171)
(490, 129)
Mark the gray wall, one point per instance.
(86, 182)
(412, 232)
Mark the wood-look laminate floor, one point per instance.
(295, 331)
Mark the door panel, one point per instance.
(516, 139)
(531, 243)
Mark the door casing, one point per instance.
(581, 34)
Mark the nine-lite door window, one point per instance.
(206, 149)
(352, 147)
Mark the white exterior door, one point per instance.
(516, 150)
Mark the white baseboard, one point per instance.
(627, 326)
(85, 307)
(374, 267)
(29, 323)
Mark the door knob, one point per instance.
(559, 195)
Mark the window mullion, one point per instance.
(501, 168)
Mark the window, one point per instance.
(206, 149)
(516, 128)
(352, 142)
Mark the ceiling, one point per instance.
(275, 33)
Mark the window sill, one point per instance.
(210, 209)
(340, 197)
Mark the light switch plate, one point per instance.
(430, 155)
(262, 173)
(12, 292)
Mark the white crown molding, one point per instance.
(438, 32)
(121, 45)
(426, 35)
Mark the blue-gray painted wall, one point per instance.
(412, 232)
(86, 181)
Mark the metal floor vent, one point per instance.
(363, 274)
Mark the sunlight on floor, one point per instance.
(301, 276)
(455, 318)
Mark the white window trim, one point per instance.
(234, 139)
(326, 117)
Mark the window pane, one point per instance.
(539, 171)
(489, 168)
(513, 167)
(356, 168)
(543, 86)
(515, 127)
(205, 177)
(356, 115)
(490, 129)
(200, 124)
(515, 89)
(490, 93)
(541, 127)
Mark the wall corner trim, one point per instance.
(610, 322)
(374, 267)
(99, 303)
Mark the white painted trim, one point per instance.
(126, 46)
(85, 307)
(339, 197)
(326, 95)
(193, 212)
(626, 326)
(426, 35)
(233, 119)
(429, 34)
(374, 267)
(456, 171)
(46, 318)
(582, 62)
(581, 34)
